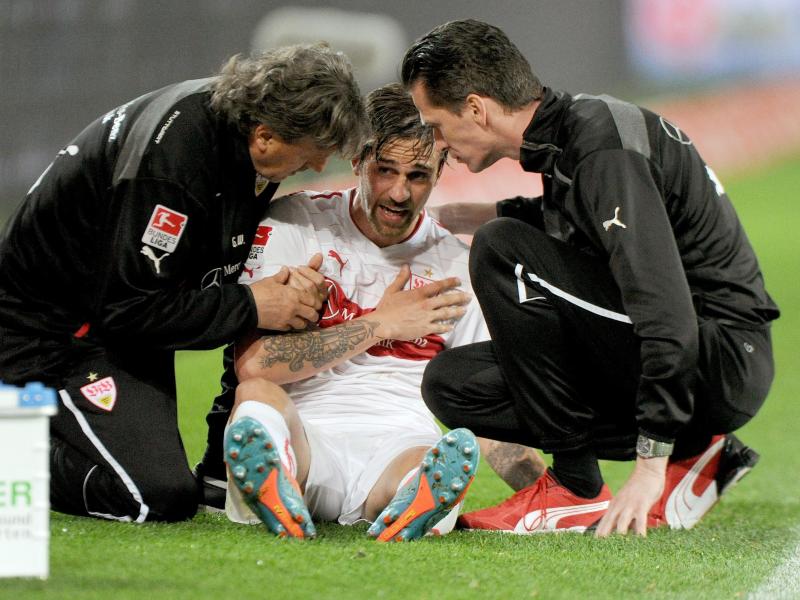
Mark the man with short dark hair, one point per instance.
(626, 307)
(128, 248)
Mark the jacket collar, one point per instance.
(540, 143)
(235, 147)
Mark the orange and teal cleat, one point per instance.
(267, 486)
(440, 483)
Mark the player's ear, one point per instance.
(356, 164)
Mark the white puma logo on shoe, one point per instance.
(684, 508)
(541, 521)
(614, 221)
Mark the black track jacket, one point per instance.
(134, 235)
(682, 254)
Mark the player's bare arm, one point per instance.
(463, 217)
(401, 315)
(293, 357)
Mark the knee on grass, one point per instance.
(164, 496)
(172, 500)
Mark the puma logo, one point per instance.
(684, 507)
(335, 256)
(547, 520)
(148, 252)
(614, 221)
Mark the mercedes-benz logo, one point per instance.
(211, 279)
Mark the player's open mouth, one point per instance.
(393, 215)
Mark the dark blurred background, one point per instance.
(65, 62)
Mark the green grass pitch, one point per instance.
(728, 555)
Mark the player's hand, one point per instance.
(628, 510)
(307, 278)
(410, 314)
(282, 307)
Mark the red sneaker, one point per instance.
(693, 485)
(544, 507)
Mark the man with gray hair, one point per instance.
(128, 248)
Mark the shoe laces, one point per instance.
(537, 500)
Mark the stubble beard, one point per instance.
(386, 230)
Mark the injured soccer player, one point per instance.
(329, 423)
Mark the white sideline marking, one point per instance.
(784, 581)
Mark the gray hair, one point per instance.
(303, 91)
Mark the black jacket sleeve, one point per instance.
(524, 209)
(619, 205)
(153, 295)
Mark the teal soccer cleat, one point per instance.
(440, 483)
(267, 486)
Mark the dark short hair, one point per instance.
(392, 116)
(464, 57)
(303, 91)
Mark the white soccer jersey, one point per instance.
(376, 394)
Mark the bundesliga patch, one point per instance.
(165, 228)
(102, 393)
(262, 235)
(260, 240)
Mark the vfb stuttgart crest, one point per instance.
(102, 393)
(418, 281)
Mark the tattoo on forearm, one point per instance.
(318, 347)
(519, 466)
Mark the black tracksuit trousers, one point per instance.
(125, 461)
(562, 369)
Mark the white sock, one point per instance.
(276, 426)
(235, 507)
(446, 525)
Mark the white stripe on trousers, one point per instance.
(592, 308)
(123, 475)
